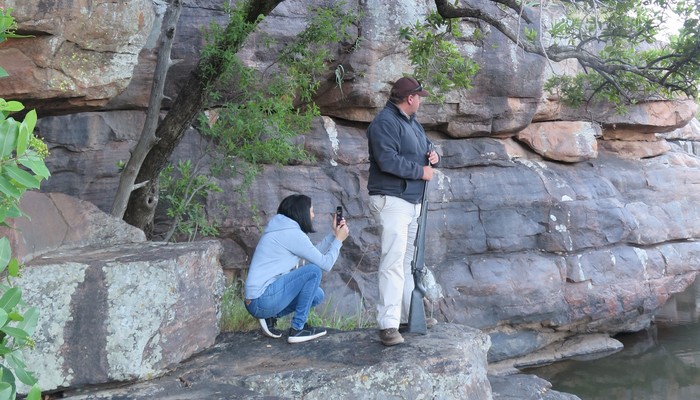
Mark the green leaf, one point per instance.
(13, 267)
(25, 132)
(23, 139)
(12, 211)
(20, 335)
(7, 379)
(35, 164)
(4, 317)
(31, 320)
(6, 391)
(12, 106)
(6, 21)
(8, 189)
(20, 369)
(8, 137)
(25, 376)
(3, 73)
(15, 316)
(17, 333)
(22, 177)
(30, 120)
(34, 393)
(5, 253)
(10, 299)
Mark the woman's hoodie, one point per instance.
(281, 248)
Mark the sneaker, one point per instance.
(268, 327)
(390, 337)
(429, 322)
(305, 334)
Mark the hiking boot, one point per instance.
(305, 334)
(268, 327)
(390, 337)
(429, 323)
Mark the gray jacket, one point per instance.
(281, 248)
(398, 151)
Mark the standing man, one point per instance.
(399, 163)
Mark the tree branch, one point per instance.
(514, 13)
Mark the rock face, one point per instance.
(113, 307)
(544, 221)
(64, 223)
(448, 363)
(562, 141)
(130, 312)
(81, 55)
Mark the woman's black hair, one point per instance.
(298, 208)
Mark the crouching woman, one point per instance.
(277, 283)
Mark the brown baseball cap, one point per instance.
(407, 86)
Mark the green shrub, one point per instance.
(21, 168)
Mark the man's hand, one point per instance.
(427, 173)
(433, 157)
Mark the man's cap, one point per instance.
(407, 86)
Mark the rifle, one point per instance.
(416, 314)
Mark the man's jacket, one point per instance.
(398, 151)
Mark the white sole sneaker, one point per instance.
(266, 330)
(305, 336)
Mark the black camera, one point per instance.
(338, 215)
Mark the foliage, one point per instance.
(436, 60)
(625, 35)
(184, 193)
(617, 44)
(259, 125)
(18, 148)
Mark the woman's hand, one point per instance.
(340, 229)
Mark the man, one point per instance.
(399, 164)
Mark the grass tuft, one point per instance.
(235, 317)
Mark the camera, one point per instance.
(338, 214)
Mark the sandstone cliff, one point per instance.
(544, 221)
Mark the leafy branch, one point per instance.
(614, 42)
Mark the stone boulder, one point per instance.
(81, 53)
(644, 117)
(521, 387)
(56, 221)
(686, 139)
(124, 313)
(112, 306)
(636, 149)
(562, 140)
(447, 363)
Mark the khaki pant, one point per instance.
(398, 222)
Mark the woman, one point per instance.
(277, 283)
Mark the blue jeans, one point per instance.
(296, 291)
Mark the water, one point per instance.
(662, 363)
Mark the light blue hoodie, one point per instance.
(280, 249)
